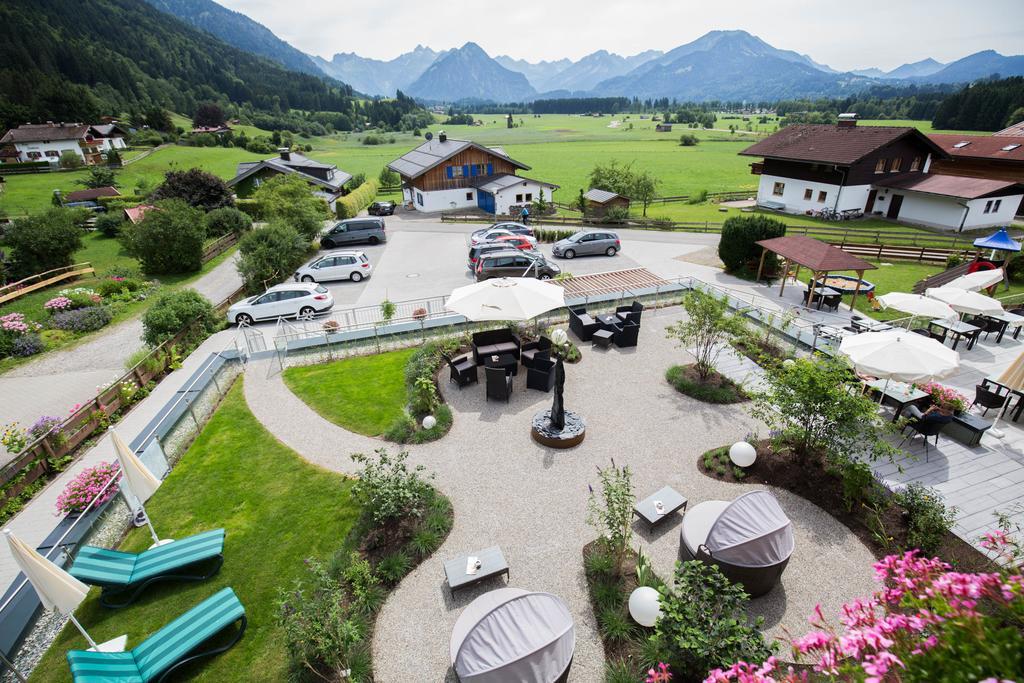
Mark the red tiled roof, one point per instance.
(91, 194)
(950, 185)
(1015, 130)
(135, 213)
(814, 254)
(982, 146)
(829, 144)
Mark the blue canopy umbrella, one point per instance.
(998, 240)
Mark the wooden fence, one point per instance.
(36, 461)
(40, 280)
(219, 246)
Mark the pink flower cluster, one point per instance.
(59, 303)
(86, 486)
(743, 672)
(943, 396)
(14, 322)
(659, 674)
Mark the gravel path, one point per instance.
(55, 381)
(531, 501)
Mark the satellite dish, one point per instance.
(429, 136)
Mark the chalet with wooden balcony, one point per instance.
(444, 174)
(48, 141)
(885, 171)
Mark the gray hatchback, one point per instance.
(587, 242)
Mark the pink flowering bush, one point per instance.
(14, 322)
(927, 623)
(944, 397)
(59, 303)
(86, 486)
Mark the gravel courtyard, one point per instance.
(531, 501)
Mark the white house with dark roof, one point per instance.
(444, 174)
(327, 180)
(48, 141)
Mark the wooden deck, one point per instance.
(612, 281)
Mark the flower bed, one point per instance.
(81, 490)
(716, 389)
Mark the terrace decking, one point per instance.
(611, 282)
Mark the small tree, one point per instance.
(611, 513)
(388, 488)
(110, 223)
(688, 140)
(196, 187)
(817, 406)
(388, 178)
(387, 310)
(71, 159)
(267, 255)
(613, 177)
(738, 249)
(44, 241)
(98, 176)
(114, 159)
(644, 187)
(169, 239)
(289, 200)
(228, 219)
(705, 331)
(581, 202)
(208, 114)
(172, 312)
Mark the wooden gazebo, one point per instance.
(819, 257)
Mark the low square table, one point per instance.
(671, 501)
(492, 563)
(602, 338)
(502, 360)
(967, 429)
(608, 321)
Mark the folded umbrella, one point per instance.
(141, 482)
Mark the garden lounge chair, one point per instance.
(535, 350)
(988, 399)
(749, 539)
(630, 313)
(463, 370)
(626, 334)
(581, 324)
(541, 375)
(925, 425)
(167, 650)
(499, 384)
(123, 574)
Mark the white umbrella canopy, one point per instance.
(506, 299)
(900, 355)
(981, 279)
(141, 481)
(964, 301)
(917, 305)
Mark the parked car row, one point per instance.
(510, 250)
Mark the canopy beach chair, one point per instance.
(120, 573)
(175, 645)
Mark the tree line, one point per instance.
(988, 105)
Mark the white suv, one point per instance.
(335, 265)
(302, 300)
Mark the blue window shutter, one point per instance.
(465, 171)
(490, 169)
(449, 171)
(472, 170)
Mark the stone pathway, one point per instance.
(508, 491)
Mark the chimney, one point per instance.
(847, 120)
(285, 153)
(441, 137)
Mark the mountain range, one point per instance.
(719, 65)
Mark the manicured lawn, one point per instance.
(277, 510)
(363, 394)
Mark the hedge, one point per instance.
(124, 199)
(351, 204)
(251, 207)
(738, 249)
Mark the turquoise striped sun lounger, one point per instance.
(123, 576)
(175, 645)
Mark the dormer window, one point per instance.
(1009, 148)
(330, 173)
(880, 166)
(915, 164)
(961, 144)
(895, 166)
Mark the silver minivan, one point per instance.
(587, 242)
(369, 229)
(336, 265)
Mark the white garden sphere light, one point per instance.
(559, 337)
(429, 421)
(742, 454)
(645, 606)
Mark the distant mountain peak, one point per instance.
(469, 73)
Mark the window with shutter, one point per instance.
(465, 171)
(448, 171)
(490, 169)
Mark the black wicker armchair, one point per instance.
(499, 384)
(535, 350)
(541, 375)
(581, 324)
(463, 370)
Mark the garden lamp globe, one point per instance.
(559, 337)
(742, 454)
(645, 606)
(429, 422)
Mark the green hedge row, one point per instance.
(251, 207)
(121, 199)
(351, 204)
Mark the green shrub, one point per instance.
(616, 624)
(600, 561)
(287, 199)
(389, 489)
(227, 220)
(738, 249)
(351, 204)
(858, 483)
(172, 312)
(196, 187)
(728, 392)
(250, 207)
(70, 159)
(616, 214)
(394, 566)
(373, 140)
(424, 542)
(43, 242)
(110, 286)
(120, 200)
(110, 223)
(169, 239)
(268, 255)
(704, 623)
(928, 519)
(607, 594)
(698, 198)
(688, 140)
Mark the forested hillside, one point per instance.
(63, 60)
(990, 105)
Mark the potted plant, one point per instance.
(81, 490)
(948, 400)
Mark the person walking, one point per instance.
(524, 216)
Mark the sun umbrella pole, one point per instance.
(885, 388)
(152, 531)
(92, 643)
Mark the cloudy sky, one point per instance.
(845, 35)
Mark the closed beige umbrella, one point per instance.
(1013, 376)
(141, 482)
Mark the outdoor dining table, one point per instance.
(1007, 320)
(958, 330)
(822, 293)
(897, 394)
(866, 325)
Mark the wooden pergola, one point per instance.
(819, 257)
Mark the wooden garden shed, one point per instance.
(599, 201)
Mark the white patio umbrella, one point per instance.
(506, 299)
(980, 279)
(57, 589)
(918, 305)
(899, 355)
(141, 482)
(1013, 379)
(964, 301)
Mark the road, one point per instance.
(54, 382)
